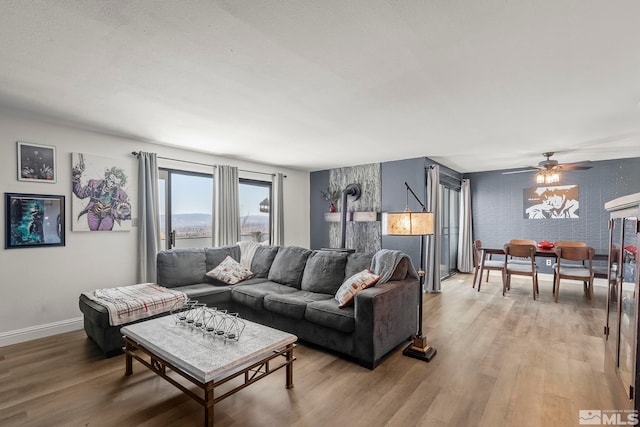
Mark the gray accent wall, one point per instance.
(392, 198)
(497, 203)
(319, 228)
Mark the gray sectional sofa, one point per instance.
(292, 289)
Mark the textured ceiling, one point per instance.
(475, 85)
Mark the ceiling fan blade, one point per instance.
(520, 171)
(587, 164)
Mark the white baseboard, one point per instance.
(40, 331)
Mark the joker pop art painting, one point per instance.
(100, 188)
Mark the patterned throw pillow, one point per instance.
(353, 285)
(230, 272)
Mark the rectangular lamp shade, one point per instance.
(407, 223)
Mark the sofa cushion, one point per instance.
(353, 285)
(180, 267)
(288, 266)
(357, 262)
(205, 293)
(215, 256)
(262, 260)
(292, 304)
(327, 313)
(324, 272)
(253, 295)
(229, 271)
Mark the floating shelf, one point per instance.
(352, 216)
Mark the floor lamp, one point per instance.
(409, 223)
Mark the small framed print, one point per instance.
(36, 163)
(33, 220)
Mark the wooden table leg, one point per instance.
(208, 405)
(128, 360)
(290, 366)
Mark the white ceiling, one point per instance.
(316, 84)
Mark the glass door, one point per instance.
(627, 304)
(450, 228)
(613, 312)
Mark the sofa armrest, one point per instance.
(386, 315)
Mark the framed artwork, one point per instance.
(33, 220)
(561, 201)
(36, 163)
(100, 188)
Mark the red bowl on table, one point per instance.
(544, 245)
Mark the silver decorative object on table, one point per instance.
(211, 321)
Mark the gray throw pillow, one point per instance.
(324, 272)
(262, 260)
(288, 266)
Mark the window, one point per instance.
(255, 210)
(186, 209)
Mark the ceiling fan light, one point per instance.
(547, 177)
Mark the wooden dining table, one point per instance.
(545, 253)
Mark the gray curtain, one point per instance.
(277, 216)
(432, 271)
(149, 217)
(465, 238)
(226, 206)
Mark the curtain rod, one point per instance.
(136, 153)
(444, 172)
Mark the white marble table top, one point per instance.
(206, 358)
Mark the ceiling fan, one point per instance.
(552, 166)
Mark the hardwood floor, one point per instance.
(502, 361)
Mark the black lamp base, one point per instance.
(419, 349)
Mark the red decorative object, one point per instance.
(332, 207)
(545, 245)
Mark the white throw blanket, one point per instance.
(130, 303)
(385, 261)
(247, 251)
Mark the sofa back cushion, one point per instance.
(288, 266)
(356, 262)
(181, 267)
(214, 256)
(262, 260)
(324, 272)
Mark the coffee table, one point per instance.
(163, 346)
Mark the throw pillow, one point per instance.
(355, 284)
(230, 272)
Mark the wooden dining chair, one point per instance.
(568, 243)
(489, 264)
(522, 242)
(523, 252)
(573, 272)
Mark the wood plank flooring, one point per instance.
(502, 361)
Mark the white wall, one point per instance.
(40, 286)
